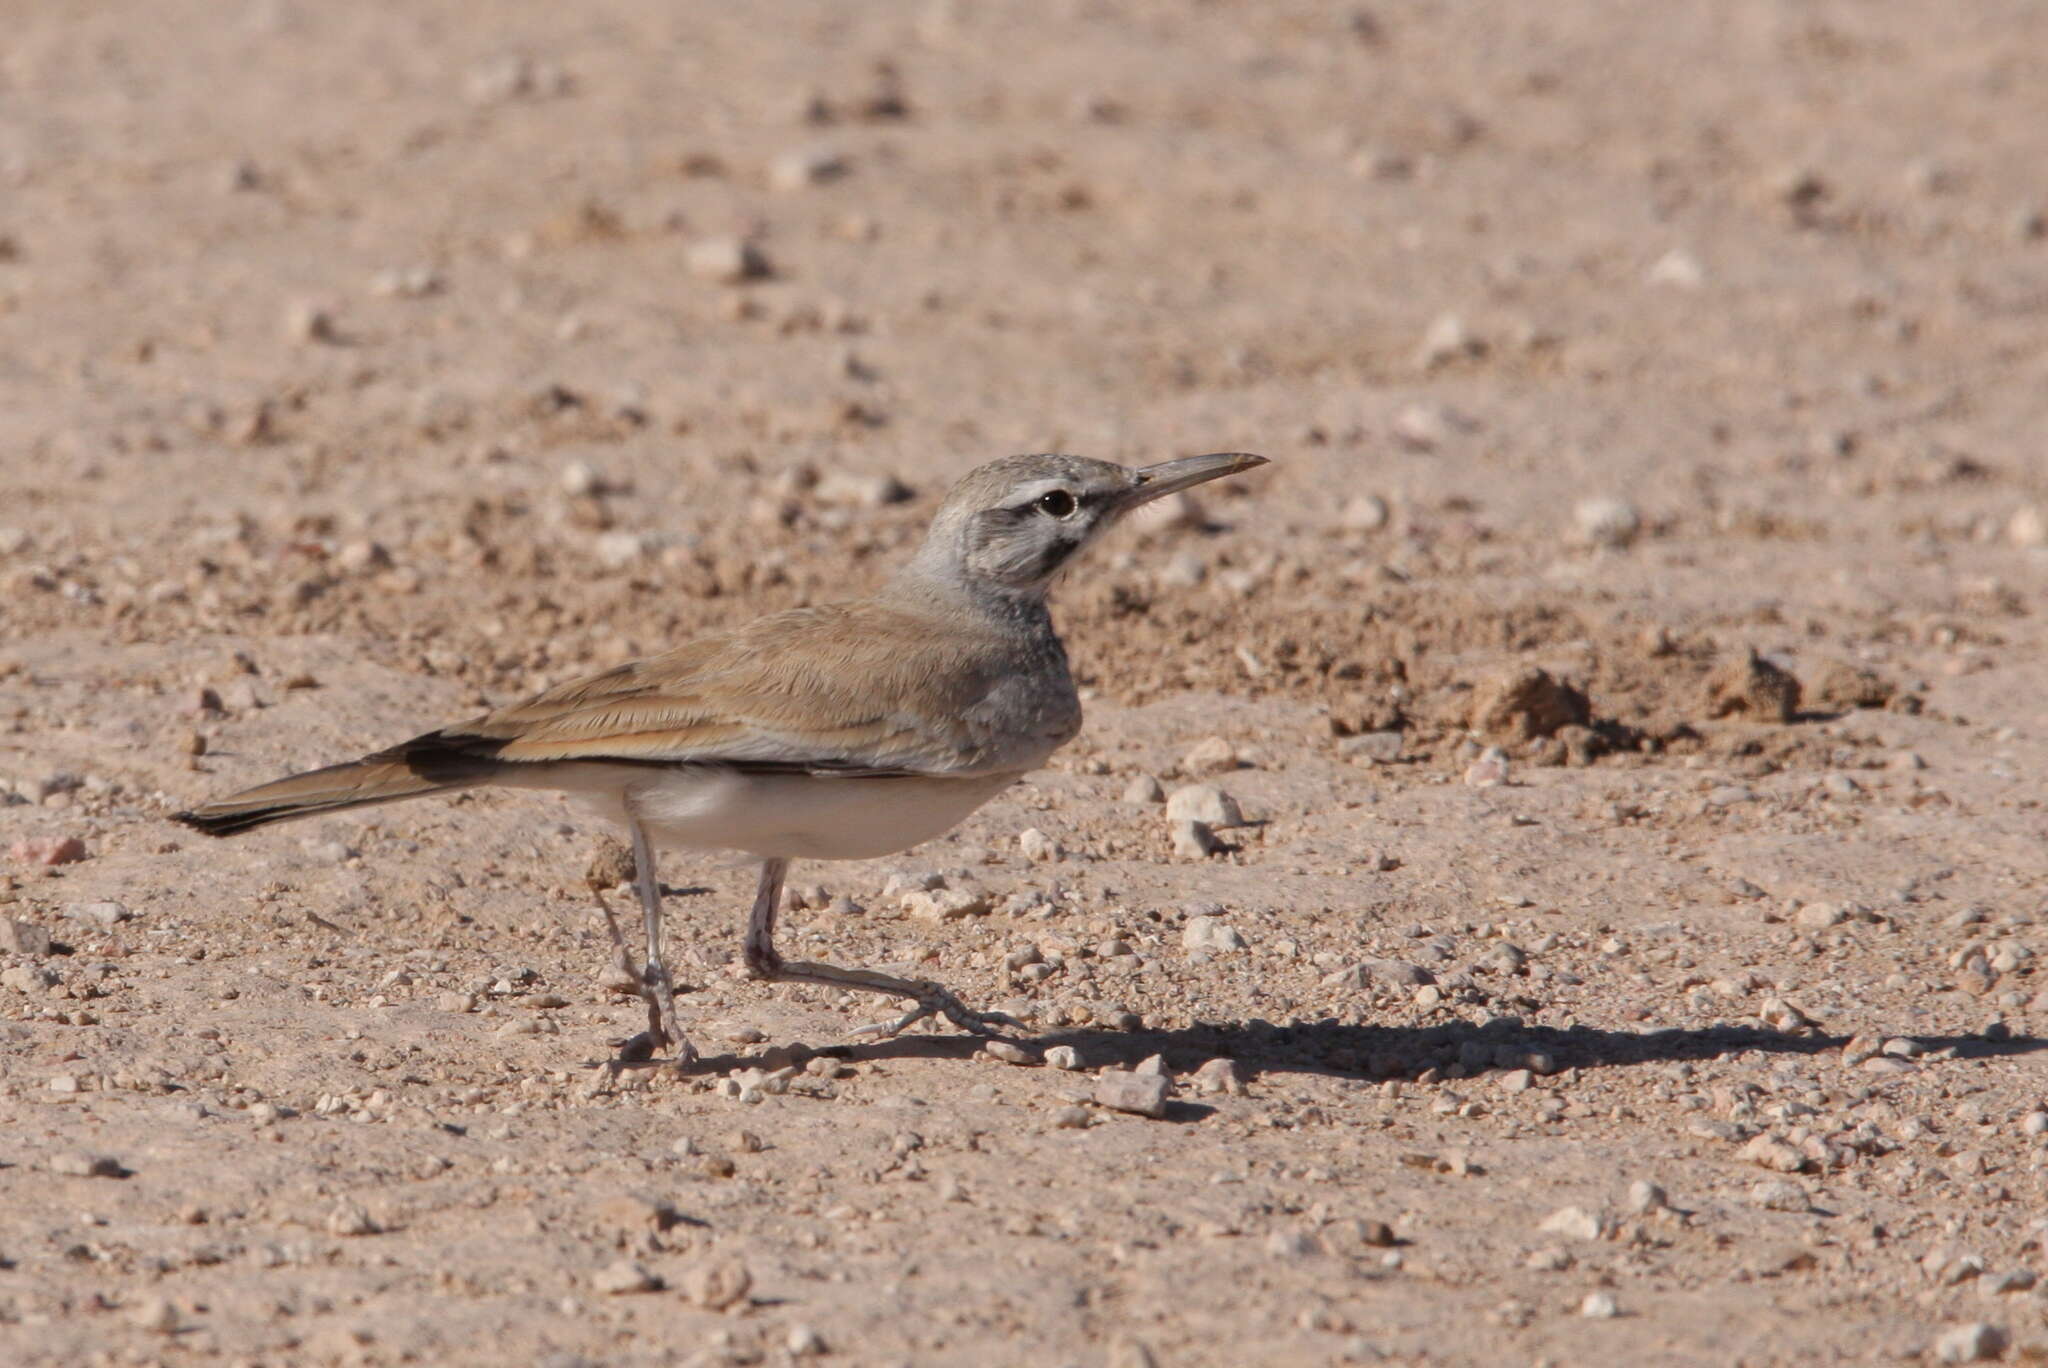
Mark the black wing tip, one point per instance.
(224, 825)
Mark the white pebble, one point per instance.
(1064, 1057)
(1599, 1306)
(729, 261)
(1607, 521)
(1038, 847)
(1210, 933)
(1144, 789)
(1204, 803)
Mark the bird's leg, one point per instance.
(654, 979)
(932, 1000)
(638, 1048)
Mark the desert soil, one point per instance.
(1571, 992)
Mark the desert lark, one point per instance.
(841, 732)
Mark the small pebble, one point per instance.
(1645, 1197)
(1204, 803)
(1608, 522)
(1071, 1118)
(1194, 840)
(1972, 1343)
(1140, 1094)
(1144, 789)
(1364, 513)
(1490, 770)
(728, 261)
(80, 1164)
(623, 1278)
(47, 850)
(717, 1285)
(349, 1219)
(1599, 1306)
(1210, 933)
(155, 1314)
(1213, 755)
(1038, 847)
(1004, 1051)
(1063, 1057)
(1218, 1076)
(1575, 1223)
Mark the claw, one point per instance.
(932, 1000)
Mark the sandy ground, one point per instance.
(362, 365)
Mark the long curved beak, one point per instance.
(1170, 477)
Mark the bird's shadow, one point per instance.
(1374, 1053)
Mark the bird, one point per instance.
(840, 731)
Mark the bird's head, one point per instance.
(1012, 525)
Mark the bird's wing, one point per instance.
(845, 689)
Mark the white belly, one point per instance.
(800, 817)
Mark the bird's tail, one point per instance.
(382, 778)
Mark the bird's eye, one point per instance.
(1057, 503)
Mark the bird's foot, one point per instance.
(933, 1000)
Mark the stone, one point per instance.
(306, 322)
(623, 1278)
(944, 904)
(1599, 1306)
(805, 167)
(1218, 1076)
(1526, 703)
(1071, 1118)
(47, 850)
(349, 1219)
(1819, 916)
(1607, 522)
(1575, 1223)
(23, 979)
(104, 915)
(1768, 1151)
(157, 1315)
(1140, 1094)
(1213, 755)
(719, 1284)
(1194, 840)
(804, 1342)
(1447, 340)
(854, 489)
(1038, 847)
(1210, 933)
(1392, 973)
(1377, 747)
(1063, 1057)
(1490, 770)
(1007, 1053)
(1775, 1194)
(1204, 803)
(726, 260)
(23, 938)
(1144, 789)
(1364, 513)
(81, 1164)
(2028, 526)
(1645, 1197)
(1753, 688)
(1972, 1343)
